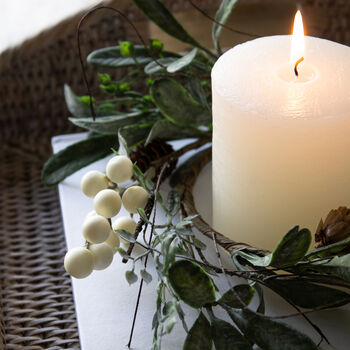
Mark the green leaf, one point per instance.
(245, 294)
(159, 65)
(195, 89)
(161, 16)
(170, 325)
(111, 57)
(131, 276)
(199, 336)
(338, 266)
(191, 283)
(169, 131)
(227, 337)
(268, 333)
(292, 248)
(256, 260)
(123, 146)
(109, 124)
(147, 277)
(173, 202)
(183, 61)
(308, 295)
(77, 156)
(222, 15)
(134, 134)
(199, 244)
(74, 105)
(167, 93)
(328, 250)
(127, 236)
(123, 253)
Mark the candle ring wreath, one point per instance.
(135, 123)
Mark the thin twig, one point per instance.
(86, 15)
(221, 24)
(159, 181)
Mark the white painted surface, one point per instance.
(105, 302)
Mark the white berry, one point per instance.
(119, 169)
(91, 213)
(79, 262)
(125, 223)
(135, 197)
(102, 255)
(96, 229)
(93, 182)
(107, 203)
(113, 240)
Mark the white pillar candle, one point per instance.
(281, 143)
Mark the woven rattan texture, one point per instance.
(37, 309)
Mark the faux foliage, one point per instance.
(166, 95)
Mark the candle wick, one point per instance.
(296, 66)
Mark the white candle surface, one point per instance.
(281, 143)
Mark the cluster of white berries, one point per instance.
(102, 240)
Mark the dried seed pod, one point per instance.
(156, 149)
(334, 229)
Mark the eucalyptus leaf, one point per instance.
(170, 325)
(161, 16)
(242, 293)
(131, 277)
(110, 57)
(191, 283)
(227, 337)
(195, 89)
(222, 15)
(338, 266)
(328, 250)
(253, 259)
(173, 202)
(269, 333)
(74, 105)
(169, 131)
(308, 295)
(292, 248)
(167, 93)
(146, 276)
(183, 61)
(108, 124)
(134, 134)
(199, 336)
(77, 156)
(127, 236)
(159, 65)
(123, 146)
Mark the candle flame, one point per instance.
(298, 40)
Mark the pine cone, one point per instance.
(334, 229)
(156, 149)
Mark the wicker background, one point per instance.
(37, 309)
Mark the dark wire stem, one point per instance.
(222, 24)
(159, 181)
(85, 16)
